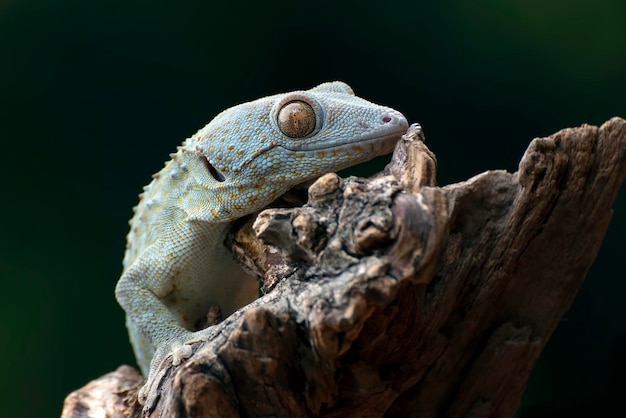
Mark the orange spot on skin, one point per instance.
(252, 199)
(321, 154)
(232, 196)
(282, 178)
(257, 187)
(219, 198)
(230, 148)
(357, 148)
(214, 212)
(238, 207)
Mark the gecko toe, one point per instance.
(180, 352)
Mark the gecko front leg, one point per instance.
(170, 287)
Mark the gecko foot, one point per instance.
(178, 351)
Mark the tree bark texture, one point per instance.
(391, 297)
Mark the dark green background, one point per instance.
(95, 94)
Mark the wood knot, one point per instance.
(374, 232)
(325, 189)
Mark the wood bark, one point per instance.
(392, 297)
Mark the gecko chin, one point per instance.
(368, 145)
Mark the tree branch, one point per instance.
(392, 297)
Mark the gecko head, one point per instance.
(271, 144)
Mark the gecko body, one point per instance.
(176, 266)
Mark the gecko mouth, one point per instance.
(395, 127)
(361, 141)
(378, 145)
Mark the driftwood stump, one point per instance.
(393, 297)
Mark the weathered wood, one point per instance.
(392, 297)
(113, 395)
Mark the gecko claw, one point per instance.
(180, 352)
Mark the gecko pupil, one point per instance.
(212, 170)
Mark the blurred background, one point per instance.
(95, 94)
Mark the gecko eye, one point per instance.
(296, 119)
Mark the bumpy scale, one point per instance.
(176, 266)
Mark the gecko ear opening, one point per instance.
(334, 87)
(214, 172)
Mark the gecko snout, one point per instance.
(393, 119)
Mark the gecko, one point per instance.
(176, 266)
